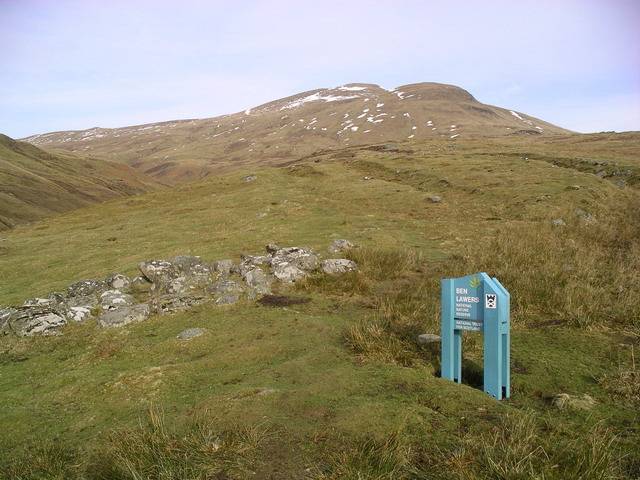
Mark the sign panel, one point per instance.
(477, 303)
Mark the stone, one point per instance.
(285, 272)
(5, 314)
(124, 315)
(340, 245)
(338, 265)
(115, 299)
(35, 320)
(190, 333)
(227, 299)
(37, 302)
(118, 281)
(250, 178)
(191, 266)
(86, 288)
(158, 272)
(574, 187)
(224, 285)
(434, 198)
(585, 216)
(163, 304)
(258, 281)
(225, 267)
(564, 400)
(558, 222)
(78, 314)
(428, 338)
(303, 258)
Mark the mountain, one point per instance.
(286, 129)
(35, 183)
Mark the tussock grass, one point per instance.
(152, 450)
(583, 273)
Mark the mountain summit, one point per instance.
(286, 129)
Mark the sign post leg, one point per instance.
(457, 356)
(447, 365)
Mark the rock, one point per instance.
(124, 315)
(250, 178)
(35, 320)
(574, 187)
(190, 333)
(285, 272)
(158, 272)
(78, 314)
(564, 400)
(115, 299)
(168, 303)
(258, 281)
(585, 216)
(225, 267)
(340, 245)
(225, 285)
(37, 302)
(434, 198)
(558, 222)
(427, 338)
(227, 299)
(338, 265)
(140, 284)
(118, 281)
(303, 258)
(5, 314)
(87, 288)
(191, 266)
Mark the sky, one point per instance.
(70, 65)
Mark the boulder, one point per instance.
(575, 402)
(224, 267)
(163, 304)
(285, 272)
(39, 302)
(338, 265)
(35, 320)
(228, 299)
(258, 281)
(340, 245)
(428, 338)
(115, 299)
(271, 248)
(190, 333)
(118, 282)
(87, 288)
(249, 178)
(124, 315)
(558, 222)
(158, 272)
(434, 198)
(303, 258)
(223, 286)
(5, 314)
(78, 314)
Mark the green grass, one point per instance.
(336, 387)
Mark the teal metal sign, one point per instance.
(477, 303)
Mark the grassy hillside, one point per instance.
(35, 183)
(285, 129)
(338, 387)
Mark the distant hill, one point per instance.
(35, 183)
(295, 126)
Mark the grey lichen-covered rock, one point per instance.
(428, 338)
(5, 314)
(258, 281)
(225, 285)
(190, 333)
(224, 267)
(78, 314)
(271, 248)
(303, 258)
(585, 216)
(115, 299)
(228, 299)
(285, 272)
(338, 265)
(158, 272)
(118, 282)
(163, 304)
(250, 178)
(434, 198)
(35, 320)
(249, 262)
(124, 315)
(340, 245)
(87, 288)
(564, 400)
(39, 302)
(558, 222)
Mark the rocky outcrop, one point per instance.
(168, 286)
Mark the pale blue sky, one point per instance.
(79, 64)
